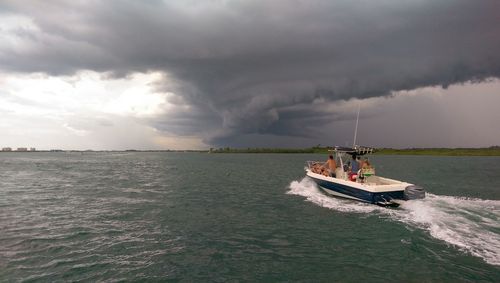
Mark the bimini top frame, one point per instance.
(340, 152)
(356, 150)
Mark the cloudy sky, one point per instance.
(198, 74)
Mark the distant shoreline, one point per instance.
(489, 151)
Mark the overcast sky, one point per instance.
(198, 74)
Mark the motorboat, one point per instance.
(363, 184)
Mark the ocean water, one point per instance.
(197, 217)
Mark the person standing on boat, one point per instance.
(331, 166)
(354, 168)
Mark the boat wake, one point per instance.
(469, 224)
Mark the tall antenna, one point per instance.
(356, 129)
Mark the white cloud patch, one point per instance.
(86, 110)
(13, 30)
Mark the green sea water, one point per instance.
(195, 217)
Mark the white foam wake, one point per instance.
(471, 225)
(307, 188)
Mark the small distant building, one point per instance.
(32, 149)
(22, 149)
(6, 149)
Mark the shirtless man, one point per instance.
(331, 166)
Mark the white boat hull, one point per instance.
(384, 192)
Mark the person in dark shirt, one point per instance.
(354, 168)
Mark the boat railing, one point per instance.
(342, 172)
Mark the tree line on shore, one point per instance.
(487, 151)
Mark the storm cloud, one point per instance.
(259, 68)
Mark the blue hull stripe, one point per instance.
(358, 193)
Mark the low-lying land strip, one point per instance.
(489, 151)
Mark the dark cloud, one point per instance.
(247, 68)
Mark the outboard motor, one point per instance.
(414, 192)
